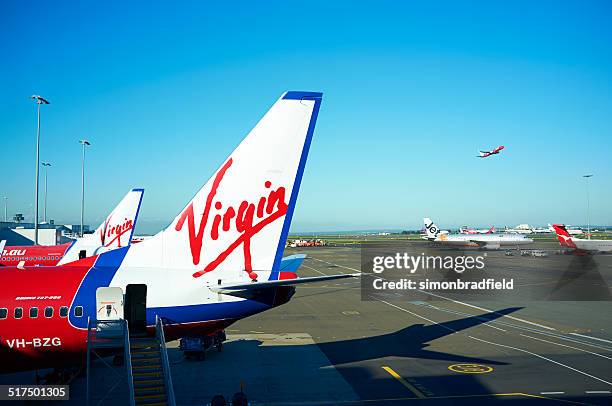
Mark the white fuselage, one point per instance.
(593, 245)
(483, 240)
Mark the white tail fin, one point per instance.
(115, 232)
(431, 229)
(2, 244)
(239, 220)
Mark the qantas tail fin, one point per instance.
(563, 236)
(432, 230)
(236, 226)
(115, 232)
(491, 230)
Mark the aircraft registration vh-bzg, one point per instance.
(220, 260)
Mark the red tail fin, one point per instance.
(563, 236)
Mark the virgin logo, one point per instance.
(248, 219)
(114, 232)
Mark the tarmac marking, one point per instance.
(340, 266)
(567, 346)
(497, 344)
(596, 391)
(591, 337)
(407, 384)
(490, 311)
(470, 368)
(544, 358)
(552, 393)
(313, 269)
(455, 301)
(529, 329)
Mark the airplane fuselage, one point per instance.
(29, 255)
(44, 311)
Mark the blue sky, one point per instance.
(411, 91)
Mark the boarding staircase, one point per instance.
(147, 368)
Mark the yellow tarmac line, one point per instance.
(407, 384)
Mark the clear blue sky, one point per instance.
(411, 91)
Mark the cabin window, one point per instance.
(48, 312)
(3, 313)
(78, 311)
(18, 312)
(63, 311)
(33, 312)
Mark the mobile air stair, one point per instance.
(147, 369)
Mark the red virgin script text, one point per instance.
(248, 220)
(114, 232)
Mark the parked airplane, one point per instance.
(580, 244)
(115, 232)
(467, 230)
(219, 260)
(487, 241)
(485, 154)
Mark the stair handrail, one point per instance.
(159, 327)
(127, 356)
(88, 366)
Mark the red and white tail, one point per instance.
(115, 232)
(236, 226)
(563, 236)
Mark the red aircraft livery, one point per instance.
(33, 255)
(243, 222)
(485, 154)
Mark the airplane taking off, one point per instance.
(220, 259)
(485, 154)
(486, 241)
(115, 232)
(581, 245)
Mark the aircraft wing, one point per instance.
(486, 244)
(238, 287)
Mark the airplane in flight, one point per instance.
(115, 232)
(220, 259)
(494, 151)
(485, 241)
(581, 245)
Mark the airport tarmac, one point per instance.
(395, 350)
(328, 346)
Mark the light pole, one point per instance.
(588, 205)
(39, 101)
(84, 143)
(5, 209)
(46, 165)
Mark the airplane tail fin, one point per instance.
(432, 230)
(491, 230)
(115, 232)
(563, 236)
(236, 226)
(2, 244)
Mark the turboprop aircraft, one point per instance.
(115, 232)
(219, 260)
